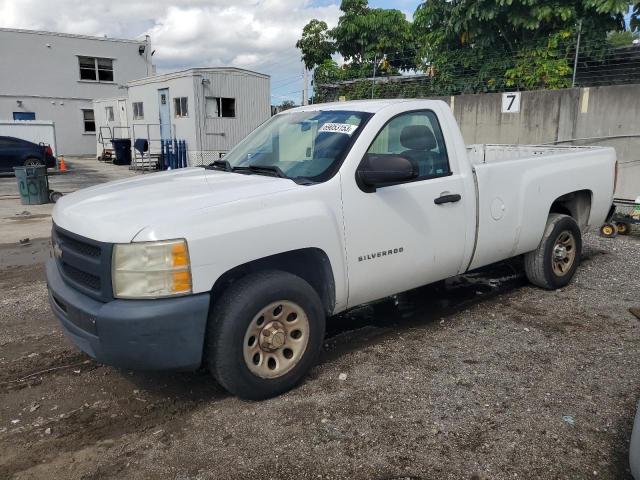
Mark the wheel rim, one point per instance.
(276, 339)
(564, 253)
(31, 163)
(607, 230)
(622, 228)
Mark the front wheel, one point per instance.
(553, 264)
(264, 334)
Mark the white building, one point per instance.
(56, 76)
(212, 109)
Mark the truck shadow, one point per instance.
(421, 306)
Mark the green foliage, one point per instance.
(328, 72)
(622, 39)
(470, 45)
(364, 34)
(363, 37)
(540, 67)
(286, 105)
(315, 44)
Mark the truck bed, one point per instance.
(516, 185)
(491, 153)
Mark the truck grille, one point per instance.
(84, 264)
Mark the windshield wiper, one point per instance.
(275, 170)
(272, 170)
(220, 165)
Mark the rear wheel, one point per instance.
(264, 334)
(33, 162)
(553, 264)
(623, 228)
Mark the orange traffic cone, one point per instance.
(62, 168)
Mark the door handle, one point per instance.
(447, 199)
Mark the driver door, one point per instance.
(402, 236)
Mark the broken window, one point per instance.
(216, 107)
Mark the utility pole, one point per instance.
(575, 62)
(373, 81)
(305, 86)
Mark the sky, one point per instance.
(255, 34)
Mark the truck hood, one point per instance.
(115, 212)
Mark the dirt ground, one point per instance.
(482, 377)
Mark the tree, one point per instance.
(622, 39)
(315, 44)
(364, 34)
(503, 34)
(286, 105)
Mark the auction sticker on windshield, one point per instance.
(338, 128)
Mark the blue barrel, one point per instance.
(33, 184)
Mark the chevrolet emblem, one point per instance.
(57, 251)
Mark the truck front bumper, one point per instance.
(162, 334)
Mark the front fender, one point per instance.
(226, 236)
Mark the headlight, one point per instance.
(151, 269)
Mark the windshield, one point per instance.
(303, 146)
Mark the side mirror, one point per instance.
(383, 169)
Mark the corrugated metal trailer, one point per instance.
(211, 109)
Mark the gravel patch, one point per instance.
(480, 377)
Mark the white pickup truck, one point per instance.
(235, 266)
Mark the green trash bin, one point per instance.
(33, 184)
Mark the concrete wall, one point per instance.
(41, 74)
(556, 115)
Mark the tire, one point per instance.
(623, 228)
(553, 264)
(33, 162)
(235, 320)
(608, 230)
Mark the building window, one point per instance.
(108, 112)
(24, 115)
(180, 107)
(220, 107)
(96, 69)
(138, 111)
(89, 121)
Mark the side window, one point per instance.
(89, 121)
(417, 137)
(180, 108)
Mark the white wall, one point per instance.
(32, 130)
(147, 93)
(44, 75)
(67, 116)
(115, 126)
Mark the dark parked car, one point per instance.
(15, 152)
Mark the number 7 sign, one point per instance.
(511, 102)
